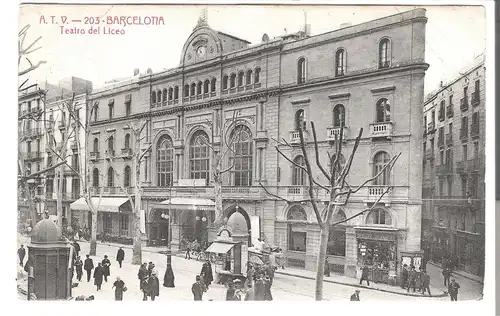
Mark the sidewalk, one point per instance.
(463, 274)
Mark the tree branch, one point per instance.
(227, 169)
(316, 150)
(388, 165)
(145, 152)
(30, 69)
(36, 174)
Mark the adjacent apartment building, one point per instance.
(453, 216)
(370, 76)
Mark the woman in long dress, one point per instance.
(119, 286)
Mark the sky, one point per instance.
(454, 35)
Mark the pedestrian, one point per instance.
(98, 274)
(206, 270)
(238, 292)
(446, 275)
(364, 275)
(120, 256)
(444, 263)
(120, 287)
(250, 294)
(404, 276)
(21, 252)
(267, 286)
(250, 275)
(270, 272)
(260, 288)
(88, 266)
(327, 269)
(78, 267)
(198, 289)
(168, 280)
(453, 290)
(426, 281)
(188, 254)
(76, 245)
(105, 264)
(355, 296)
(153, 286)
(151, 266)
(230, 293)
(412, 279)
(143, 271)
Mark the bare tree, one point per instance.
(338, 189)
(138, 155)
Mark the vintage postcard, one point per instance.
(252, 152)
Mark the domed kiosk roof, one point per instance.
(46, 232)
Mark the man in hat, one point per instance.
(153, 286)
(206, 270)
(88, 266)
(198, 289)
(120, 256)
(426, 281)
(355, 296)
(453, 290)
(105, 264)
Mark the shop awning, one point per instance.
(107, 204)
(190, 204)
(218, 247)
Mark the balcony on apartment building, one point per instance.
(464, 103)
(332, 132)
(228, 192)
(474, 130)
(127, 153)
(474, 100)
(446, 169)
(449, 110)
(441, 115)
(441, 140)
(431, 127)
(429, 154)
(449, 139)
(32, 132)
(33, 155)
(70, 196)
(464, 133)
(378, 130)
(110, 153)
(94, 155)
(458, 201)
(295, 137)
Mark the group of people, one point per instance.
(453, 286)
(149, 283)
(417, 280)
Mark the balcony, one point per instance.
(475, 165)
(225, 91)
(464, 134)
(449, 139)
(452, 201)
(446, 169)
(294, 193)
(295, 137)
(332, 132)
(232, 90)
(95, 190)
(110, 153)
(429, 154)
(94, 155)
(257, 85)
(440, 141)
(474, 131)
(449, 110)
(464, 103)
(176, 101)
(127, 153)
(241, 88)
(248, 87)
(381, 129)
(431, 127)
(475, 98)
(70, 196)
(375, 191)
(441, 115)
(111, 190)
(242, 192)
(33, 155)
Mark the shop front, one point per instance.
(377, 250)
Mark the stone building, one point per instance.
(226, 91)
(453, 167)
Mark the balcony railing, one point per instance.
(94, 155)
(110, 152)
(127, 152)
(429, 154)
(445, 169)
(449, 139)
(33, 155)
(464, 133)
(111, 190)
(464, 103)
(475, 98)
(449, 110)
(295, 137)
(333, 132)
(431, 127)
(381, 129)
(95, 190)
(474, 131)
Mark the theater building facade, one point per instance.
(228, 92)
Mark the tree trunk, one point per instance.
(59, 186)
(31, 205)
(218, 201)
(320, 270)
(93, 237)
(137, 250)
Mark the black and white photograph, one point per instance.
(226, 152)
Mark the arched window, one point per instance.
(232, 81)
(338, 115)
(95, 177)
(300, 122)
(199, 156)
(381, 159)
(256, 78)
(164, 161)
(96, 113)
(193, 89)
(176, 93)
(96, 145)
(200, 86)
(153, 97)
(212, 84)
(249, 77)
(186, 91)
(241, 156)
(241, 75)
(383, 111)
(379, 217)
(170, 94)
(127, 141)
(158, 96)
(301, 71)
(165, 95)
(383, 51)
(111, 177)
(297, 235)
(126, 177)
(336, 169)
(206, 86)
(340, 62)
(224, 82)
(111, 143)
(298, 174)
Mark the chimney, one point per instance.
(136, 71)
(344, 25)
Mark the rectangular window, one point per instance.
(433, 117)
(124, 224)
(476, 150)
(107, 222)
(296, 240)
(449, 157)
(127, 109)
(441, 157)
(450, 186)
(476, 86)
(464, 152)
(450, 128)
(450, 100)
(465, 91)
(441, 187)
(464, 187)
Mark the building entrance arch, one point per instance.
(158, 228)
(193, 228)
(239, 221)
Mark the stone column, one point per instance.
(351, 253)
